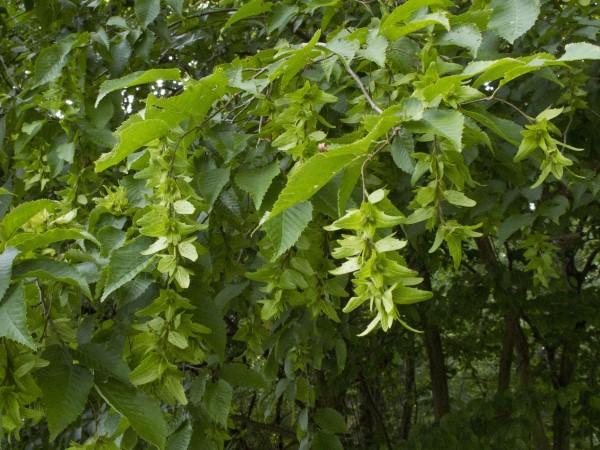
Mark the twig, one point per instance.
(362, 87)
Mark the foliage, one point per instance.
(316, 225)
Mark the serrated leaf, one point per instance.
(135, 79)
(146, 11)
(446, 123)
(419, 24)
(125, 264)
(402, 14)
(211, 181)
(47, 268)
(51, 60)
(511, 19)
(256, 181)
(307, 179)
(193, 103)
(217, 400)
(6, 262)
(13, 318)
(465, 36)
(31, 241)
(376, 48)
(580, 51)
(103, 358)
(295, 62)
(401, 148)
(143, 413)
(22, 213)
(238, 374)
(285, 229)
(330, 420)
(512, 224)
(132, 135)
(249, 9)
(65, 388)
(181, 439)
(506, 129)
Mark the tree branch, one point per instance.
(362, 87)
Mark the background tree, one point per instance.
(316, 225)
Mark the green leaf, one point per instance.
(401, 148)
(51, 60)
(311, 176)
(511, 19)
(211, 181)
(65, 389)
(47, 268)
(465, 36)
(330, 420)
(103, 358)
(446, 123)
(238, 374)
(150, 369)
(391, 25)
(457, 198)
(217, 399)
(135, 79)
(506, 129)
(348, 181)
(249, 9)
(326, 441)
(285, 229)
(580, 51)
(256, 181)
(181, 439)
(341, 353)
(6, 261)
(132, 135)
(125, 264)
(21, 214)
(296, 62)
(13, 318)
(142, 412)
(31, 241)
(375, 49)
(512, 224)
(194, 103)
(146, 11)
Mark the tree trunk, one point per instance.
(437, 371)
(562, 414)
(409, 389)
(508, 342)
(522, 348)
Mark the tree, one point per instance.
(314, 225)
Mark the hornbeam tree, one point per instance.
(312, 225)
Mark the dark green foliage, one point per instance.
(314, 224)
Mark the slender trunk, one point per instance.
(562, 414)
(437, 371)
(508, 342)
(409, 389)
(374, 420)
(523, 369)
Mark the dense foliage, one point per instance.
(315, 224)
